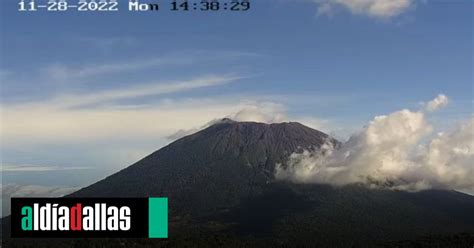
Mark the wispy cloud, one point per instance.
(38, 168)
(105, 42)
(150, 89)
(374, 8)
(439, 102)
(61, 72)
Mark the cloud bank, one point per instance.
(393, 151)
(372, 8)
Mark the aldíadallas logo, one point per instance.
(89, 217)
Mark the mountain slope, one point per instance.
(213, 169)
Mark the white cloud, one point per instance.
(390, 152)
(266, 112)
(372, 8)
(439, 102)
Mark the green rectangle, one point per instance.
(158, 217)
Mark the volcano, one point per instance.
(222, 191)
(214, 169)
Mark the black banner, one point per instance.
(79, 217)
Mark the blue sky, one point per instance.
(86, 94)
